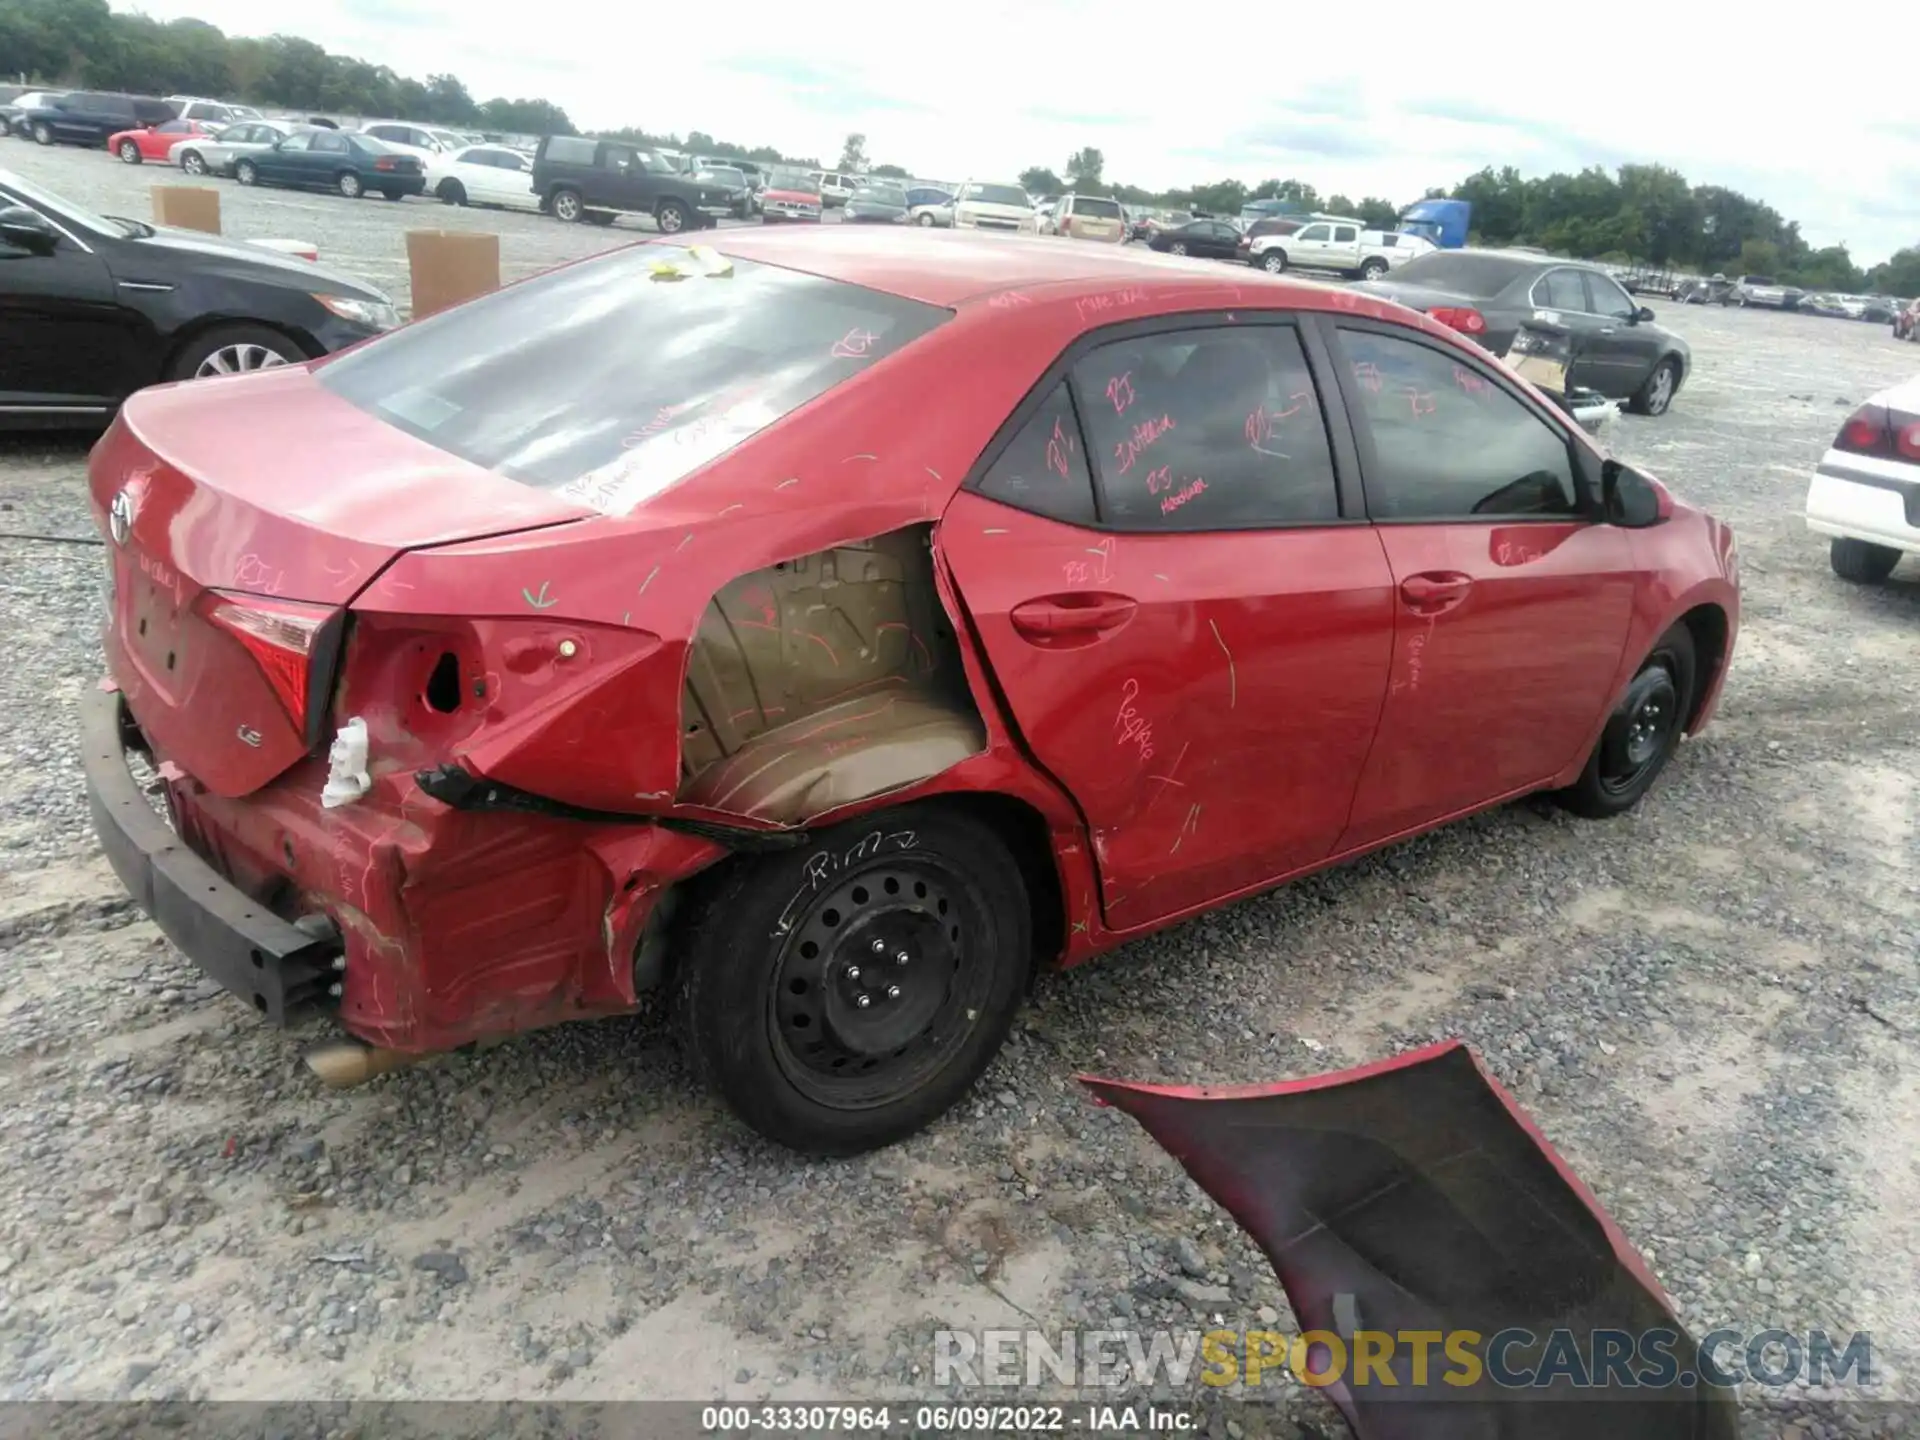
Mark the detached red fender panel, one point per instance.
(1415, 1195)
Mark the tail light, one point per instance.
(385, 162)
(1465, 319)
(293, 644)
(1882, 433)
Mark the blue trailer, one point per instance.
(1443, 222)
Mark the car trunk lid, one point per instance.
(240, 525)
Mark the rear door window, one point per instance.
(1044, 467)
(568, 150)
(1215, 428)
(610, 380)
(329, 142)
(1561, 290)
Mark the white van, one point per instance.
(835, 188)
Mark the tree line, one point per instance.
(1641, 213)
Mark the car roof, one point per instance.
(949, 269)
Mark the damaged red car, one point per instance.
(827, 628)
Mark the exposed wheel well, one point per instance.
(1708, 626)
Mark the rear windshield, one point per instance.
(1097, 209)
(998, 195)
(610, 380)
(1480, 276)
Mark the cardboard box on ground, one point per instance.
(187, 207)
(450, 267)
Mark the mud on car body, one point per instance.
(828, 628)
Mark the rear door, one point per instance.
(1343, 250)
(1191, 631)
(1562, 292)
(1512, 603)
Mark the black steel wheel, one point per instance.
(1642, 732)
(842, 996)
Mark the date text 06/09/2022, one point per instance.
(946, 1419)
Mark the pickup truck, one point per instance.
(1759, 290)
(1345, 246)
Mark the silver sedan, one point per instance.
(216, 154)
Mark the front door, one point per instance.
(69, 339)
(285, 163)
(1512, 604)
(1189, 637)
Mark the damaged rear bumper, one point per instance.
(277, 967)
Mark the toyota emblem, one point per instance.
(120, 517)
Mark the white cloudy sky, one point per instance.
(1809, 116)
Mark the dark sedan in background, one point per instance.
(1618, 350)
(1216, 239)
(95, 307)
(89, 117)
(877, 205)
(342, 160)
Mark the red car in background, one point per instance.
(154, 142)
(790, 194)
(931, 610)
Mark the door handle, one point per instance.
(1435, 590)
(1606, 329)
(1071, 619)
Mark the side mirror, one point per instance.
(1643, 315)
(28, 229)
(1631, 500)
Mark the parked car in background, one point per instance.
(1345, 247)
(791, 194)
(835, 188)
(733, 183)
(215, 154)
(483, 175)
(929, 205)
(1837, 307)
(1619, 350)
(1144, 226)
(155, 142)
(95, 308)
(580, 178)
(1865, 493)
(1473, 581)
(1088, 217)
(1715, 290)
(1213, 239)
(212, 113)
(352, 163)
(878, 202)
(1877, 309)
(1764, 292)
(89, 117)
(421, 141)
(13, 114)
(988, 205)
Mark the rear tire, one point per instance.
(452, 192)
(924, 220)
(1641, 734)
(567, 207)
(1862, 562)
(246, 173)
(1373, 269)
(349, 185)
(129, 152)
(1274, 262)
(1178, 247)
(42, 133)
(779, 950)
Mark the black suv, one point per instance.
(88, 117)
(578, 178)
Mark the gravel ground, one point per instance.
(1709, 1005)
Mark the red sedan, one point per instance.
(154, 142)
(831, 629)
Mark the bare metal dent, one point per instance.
(825, 680)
